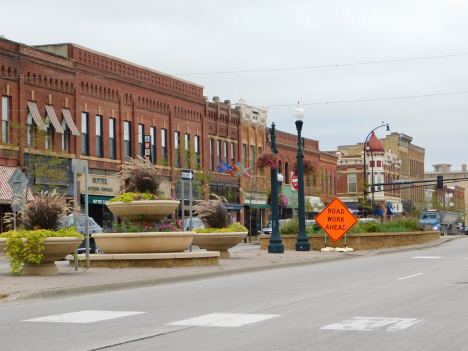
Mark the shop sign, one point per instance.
(101, 185)
(51, 175)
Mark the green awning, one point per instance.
(258, 205)
(97, 199)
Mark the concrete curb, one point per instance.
(150, 282)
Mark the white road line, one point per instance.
(372, 323)
(410, 276)
(84, 316)
(428, 257)
(224, 320)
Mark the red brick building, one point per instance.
(93, 107)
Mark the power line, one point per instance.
(256, 70)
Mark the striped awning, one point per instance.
(53, 118)
(70, 123)
(6, 193)
(36, 115)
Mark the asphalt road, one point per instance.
(411, 300)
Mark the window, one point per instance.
(112, 138)
(226, 152)
(286, 173)
(177, 151)
(31, 131)
(244, 153)
(141, 144)
(153, 144)
(197, 151)
(233, 153)
(211, 155)
(187, 151)
(99, 152)
(218, 143)
(127, 139)
(49, 133)
(352, 183)
(5, 119)
(378, 179)
(252, 155)
(334, 183)
(164, 146)
(64, 136)
(84, 134)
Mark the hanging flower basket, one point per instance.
(309, 167)
(283, 200)
(267, 159)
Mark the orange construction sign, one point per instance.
(335, 219)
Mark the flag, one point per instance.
(228, 168)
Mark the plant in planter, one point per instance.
(40, 242)
(267, 159)
(218, 234)
(142, 200)
(283, 200)
(308, 166)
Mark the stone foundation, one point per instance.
(358, 241)
(153, 260)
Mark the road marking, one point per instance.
(410, 276)
(84, 316)
(371, 323)
(224, 320)
(429, 257)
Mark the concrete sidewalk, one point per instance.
(244, 259)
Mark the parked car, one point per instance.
(364, 220)
(80, 227)
(266, 230)
(197, 223)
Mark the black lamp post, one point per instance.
(302, 243)
(276, 243)
(365, 173)
(369, 147)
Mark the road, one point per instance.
(411, 300)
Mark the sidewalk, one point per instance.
(245, 258)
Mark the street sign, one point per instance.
(187, 174)
(335, 219)
(17, 182)
(295, 181)
(148, 147)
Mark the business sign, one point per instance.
(336, 219)
(295, 182)
(51, 175)
(100, 185)
(148, 147)
(187, 174)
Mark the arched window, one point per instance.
(286, 173)
(279, 167)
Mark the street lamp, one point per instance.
(364, 168)
(280, 183)
(276, 243)
(369, 147)
(302, 243)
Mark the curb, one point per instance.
(150, 282)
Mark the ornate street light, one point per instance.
(276, 243)
(302, 243)
(364, 168)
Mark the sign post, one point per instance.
(187, 175)
(294, 186)
(335, 220)
(148, 147)
(17, 182)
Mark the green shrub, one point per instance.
(235, 227)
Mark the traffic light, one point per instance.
(440, 182)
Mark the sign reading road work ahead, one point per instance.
(335, 220)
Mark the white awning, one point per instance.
(36, 115)
(53, 118)
(315, 202)
(70, 123)
(6, 193)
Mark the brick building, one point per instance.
(412, 164)
(381, 167)
(94, 108)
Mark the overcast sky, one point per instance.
(186, 37)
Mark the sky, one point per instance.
(351, 64)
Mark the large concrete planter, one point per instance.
(219, 241)
(154, 242)
(153, 210)
(54, 250)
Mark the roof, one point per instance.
(375, 144)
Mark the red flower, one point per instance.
(38, 227)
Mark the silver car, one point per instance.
(80, 227)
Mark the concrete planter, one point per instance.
(153, 210)
(154, 242)
(219, 241)
(54, 250)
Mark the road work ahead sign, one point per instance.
(336, 219)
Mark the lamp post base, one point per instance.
(276, 248)
(302, 246)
